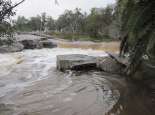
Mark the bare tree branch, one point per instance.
(7, 9)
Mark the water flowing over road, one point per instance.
(31, 85)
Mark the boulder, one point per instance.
(110, 65)
(31, 43)
(14, 47)
(75, 62)
(48, 44)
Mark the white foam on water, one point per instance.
(47, 57)
(7, 61)
(37, 64)
(68, 99)
(40, 62)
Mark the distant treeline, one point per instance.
(101, 23)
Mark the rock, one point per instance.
(121, 60)
(35, 41)
(14, 47)
(75, 62)
(24, 41)
(48, 44)
(109, 65)
(29, 41)
(84, 66)
(31, 44)
(44, 38)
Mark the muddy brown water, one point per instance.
(31, 85)
(103, 46)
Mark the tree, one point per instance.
(21, 24)
(137, 32)
(99, 20)
(35, 23)
(71, 21)
(6, 28)
(50, 23)
(6, 9)
(43, 21)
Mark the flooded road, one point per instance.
(31, 85)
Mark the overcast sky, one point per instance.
(33, 7)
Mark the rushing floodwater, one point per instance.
(31, 85)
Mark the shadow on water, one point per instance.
(134, 100)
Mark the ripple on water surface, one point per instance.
(34, 86)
